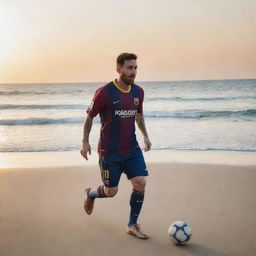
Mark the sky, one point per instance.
(55, 41)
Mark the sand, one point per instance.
(41, 211)
(73, 158)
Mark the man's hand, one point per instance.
(147, 144)
(85, 148)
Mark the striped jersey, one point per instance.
(117, 109)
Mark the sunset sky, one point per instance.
(78, 41)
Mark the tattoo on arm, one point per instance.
(141, 123)
(87, 128)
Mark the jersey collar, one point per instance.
(119, 88)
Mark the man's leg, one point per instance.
(110, 173)
(137, 198)
(136, 202)
(100, 192)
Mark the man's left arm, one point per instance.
(141, 124)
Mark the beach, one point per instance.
(109, 77)
(202, 170)
(42, 207)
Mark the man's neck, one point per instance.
(122, 85)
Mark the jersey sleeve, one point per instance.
(140, 107)
(97, 104)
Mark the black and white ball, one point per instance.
(180, 232)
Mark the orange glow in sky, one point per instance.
(78, 41)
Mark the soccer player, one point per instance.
(119, 104)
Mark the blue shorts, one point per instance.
(132, 164)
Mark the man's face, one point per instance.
(128, 71)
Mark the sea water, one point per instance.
(179, 115)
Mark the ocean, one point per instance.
(179, 115)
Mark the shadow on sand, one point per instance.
(200, 250)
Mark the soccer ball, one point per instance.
(180, 232)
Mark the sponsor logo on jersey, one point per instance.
(125, 113)
(136, 101)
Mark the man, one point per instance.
(119, 104)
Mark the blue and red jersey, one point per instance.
(117, 109)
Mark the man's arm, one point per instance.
(86, 147)
(141, 124)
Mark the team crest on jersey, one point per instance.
(136, 101)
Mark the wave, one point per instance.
(207, 149)
(194, 114)
(79, 91)
(42, 121)
(76, 147)
(49, 92)
(201, 114)
(199, 99)
(34, 148)
(11, 106)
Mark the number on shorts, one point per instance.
(105, 174)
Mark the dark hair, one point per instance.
(125, 56)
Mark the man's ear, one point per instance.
(118, 69)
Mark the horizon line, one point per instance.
(103, 82)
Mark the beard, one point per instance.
(127, 79)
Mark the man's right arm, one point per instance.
(86, 147)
